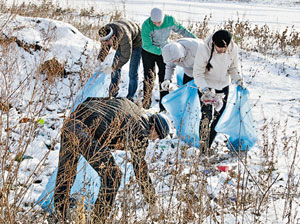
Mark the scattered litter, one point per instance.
(206, 172)
(223, 168)
(25, 120)
(41, 121)
(27, 157)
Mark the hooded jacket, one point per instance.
(128, 36)
(225, 66)
(185, 49)
(154, 38)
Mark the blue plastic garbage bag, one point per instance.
(237, 121)
(184, 107)
(87, 183)
(180, 73)
(93, 88)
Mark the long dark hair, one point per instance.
(209, 66)
(221, 38)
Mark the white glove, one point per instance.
(208, 97)
(219, 101)
(107, 70)
(165, 85)
(211, 98)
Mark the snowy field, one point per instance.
(273, 82)
(275, 13)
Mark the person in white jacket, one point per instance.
(181, 52)
(216, 64)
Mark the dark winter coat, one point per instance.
(128, 36)
(96, 127)
(115, 121)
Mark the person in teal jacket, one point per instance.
(155, 34)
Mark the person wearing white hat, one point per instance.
(181, 53)
(155, 34)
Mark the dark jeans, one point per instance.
(133, 74)
(207, 112)
(149, 61)
(75, 141)
(133, 71)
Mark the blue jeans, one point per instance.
(133, 74)
(133, 71)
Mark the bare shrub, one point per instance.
(202, 29)
(26, 97)
(184, 179)
(53, 69)
(263, 39)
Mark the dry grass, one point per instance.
(53, 69)
(246, 35)
(184, 196)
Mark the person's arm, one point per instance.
(125, 47)
(147, 41)
(138, 152)
(144, 180)
(200, 67)
(178, 28)
(103, 52)
(170, 69)
(234, 69)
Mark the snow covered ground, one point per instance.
(273, 82)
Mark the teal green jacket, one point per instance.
(155, 38)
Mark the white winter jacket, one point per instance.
(187, 51)
(224, 66)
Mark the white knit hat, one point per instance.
(172, 51)
(157, 15)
